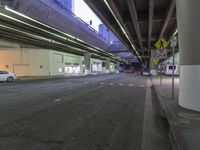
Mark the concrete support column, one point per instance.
(189, 48)
(87, 57)
(81, 66)
(153, 67)
(107, 65)
(117, 67)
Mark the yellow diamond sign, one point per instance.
(155, 60)
(161, 44)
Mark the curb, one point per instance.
(175, 134)
(57, 77)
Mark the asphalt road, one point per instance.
(104, 112)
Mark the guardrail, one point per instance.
(79, 19)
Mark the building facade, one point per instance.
(44, 62)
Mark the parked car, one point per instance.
(168, 69)
(7, 76)
(130, 70)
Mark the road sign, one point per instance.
(162, 53)
(173, 42)
(155, 60)
(161, 44)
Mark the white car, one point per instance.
(169, 67)
(7, 76)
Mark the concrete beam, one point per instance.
(134, 17)
(104, 15)
(151, 12)
(117, 13)
(167, 18)
(119, 51)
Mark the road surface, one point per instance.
(103, 112)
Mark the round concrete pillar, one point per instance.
(87, 58)
(107, 65)
(189, 48)
(117, 67)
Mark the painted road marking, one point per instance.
(141, 85)
(57, 100)
(102, 83)
(85, 82)
(121, 84)
(111, 83)
(131, 85)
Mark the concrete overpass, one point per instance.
(51, 13)
(140, 23)
(113, 111)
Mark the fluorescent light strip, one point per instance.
(175, 33)
(115, 17)
(22, 15)
(41, 29)
(120, 26)
(80, 40)
(13, 11)
(49, 40)
(78, 49)
(31, 26)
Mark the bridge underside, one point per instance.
(138, 23)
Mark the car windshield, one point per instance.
(171, 67)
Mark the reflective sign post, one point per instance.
(161, 72)
(173, 45)
(173, 73)
(161, 44)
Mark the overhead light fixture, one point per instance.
(17, 20)
(174, 34)
(62, 37)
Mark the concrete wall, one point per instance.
(38, 60)
(58, 61)
(113, 67)
(96, 63)
(42, 62)
(25, 62)
(177, 59)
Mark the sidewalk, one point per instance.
(184, 124)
